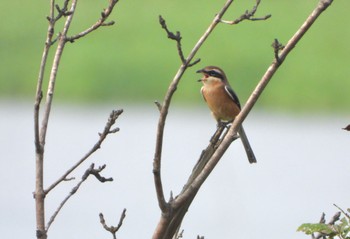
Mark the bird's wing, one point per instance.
(232, 95)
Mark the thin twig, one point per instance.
(176, 37)
(113, 230)
(345, 213)
(159, 106)
(90, 171)
(277, 47)
(107, 130)
(100, 23)
(62, 12)
(248, 15)
(179, 235)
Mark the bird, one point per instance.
(223, 102)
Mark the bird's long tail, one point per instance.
(246, 144)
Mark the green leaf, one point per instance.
(309, 228)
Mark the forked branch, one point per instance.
(176, 37)
(100, 23)
(248, 15)
(106, 131)
(112, 229)
(90, 171)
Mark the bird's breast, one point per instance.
(220, 103)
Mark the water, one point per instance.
(303, 168)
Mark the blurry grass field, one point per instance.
(133, 61)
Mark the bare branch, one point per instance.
(248, 15)
(176, 37)
(69, 179)
(113, 229)
(277, 47)
(107, 130)
(96, 173)
(159, 106)
(90, 171)
(101, 22)
(62, 12)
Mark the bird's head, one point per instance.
(212, 75)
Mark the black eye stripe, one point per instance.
(214, 74)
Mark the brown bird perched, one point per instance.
(223, 102)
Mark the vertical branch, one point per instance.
(166, 104)
(40, 132)
(40, 136)
(39, 148)
(56, 61)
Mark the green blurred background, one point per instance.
(133, 61)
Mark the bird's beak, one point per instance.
(200, 71)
